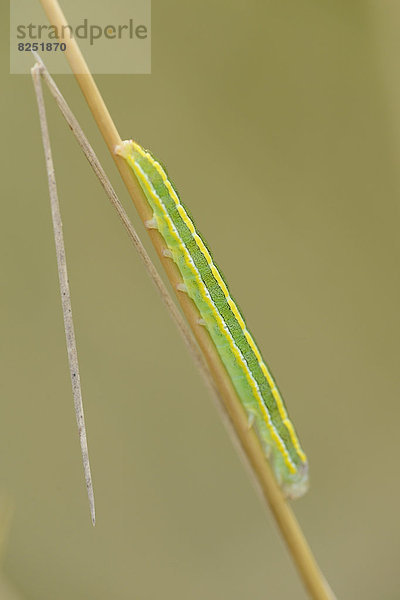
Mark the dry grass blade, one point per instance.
(112, 196)
(64, 290)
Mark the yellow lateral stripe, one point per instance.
(275, 436)
(188, 222)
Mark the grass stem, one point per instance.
(285, 519)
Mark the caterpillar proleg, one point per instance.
(237, 349)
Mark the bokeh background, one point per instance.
(280, 124)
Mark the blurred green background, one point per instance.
(280, 124)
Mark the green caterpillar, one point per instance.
(251, 377)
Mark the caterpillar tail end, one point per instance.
(295, 488)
